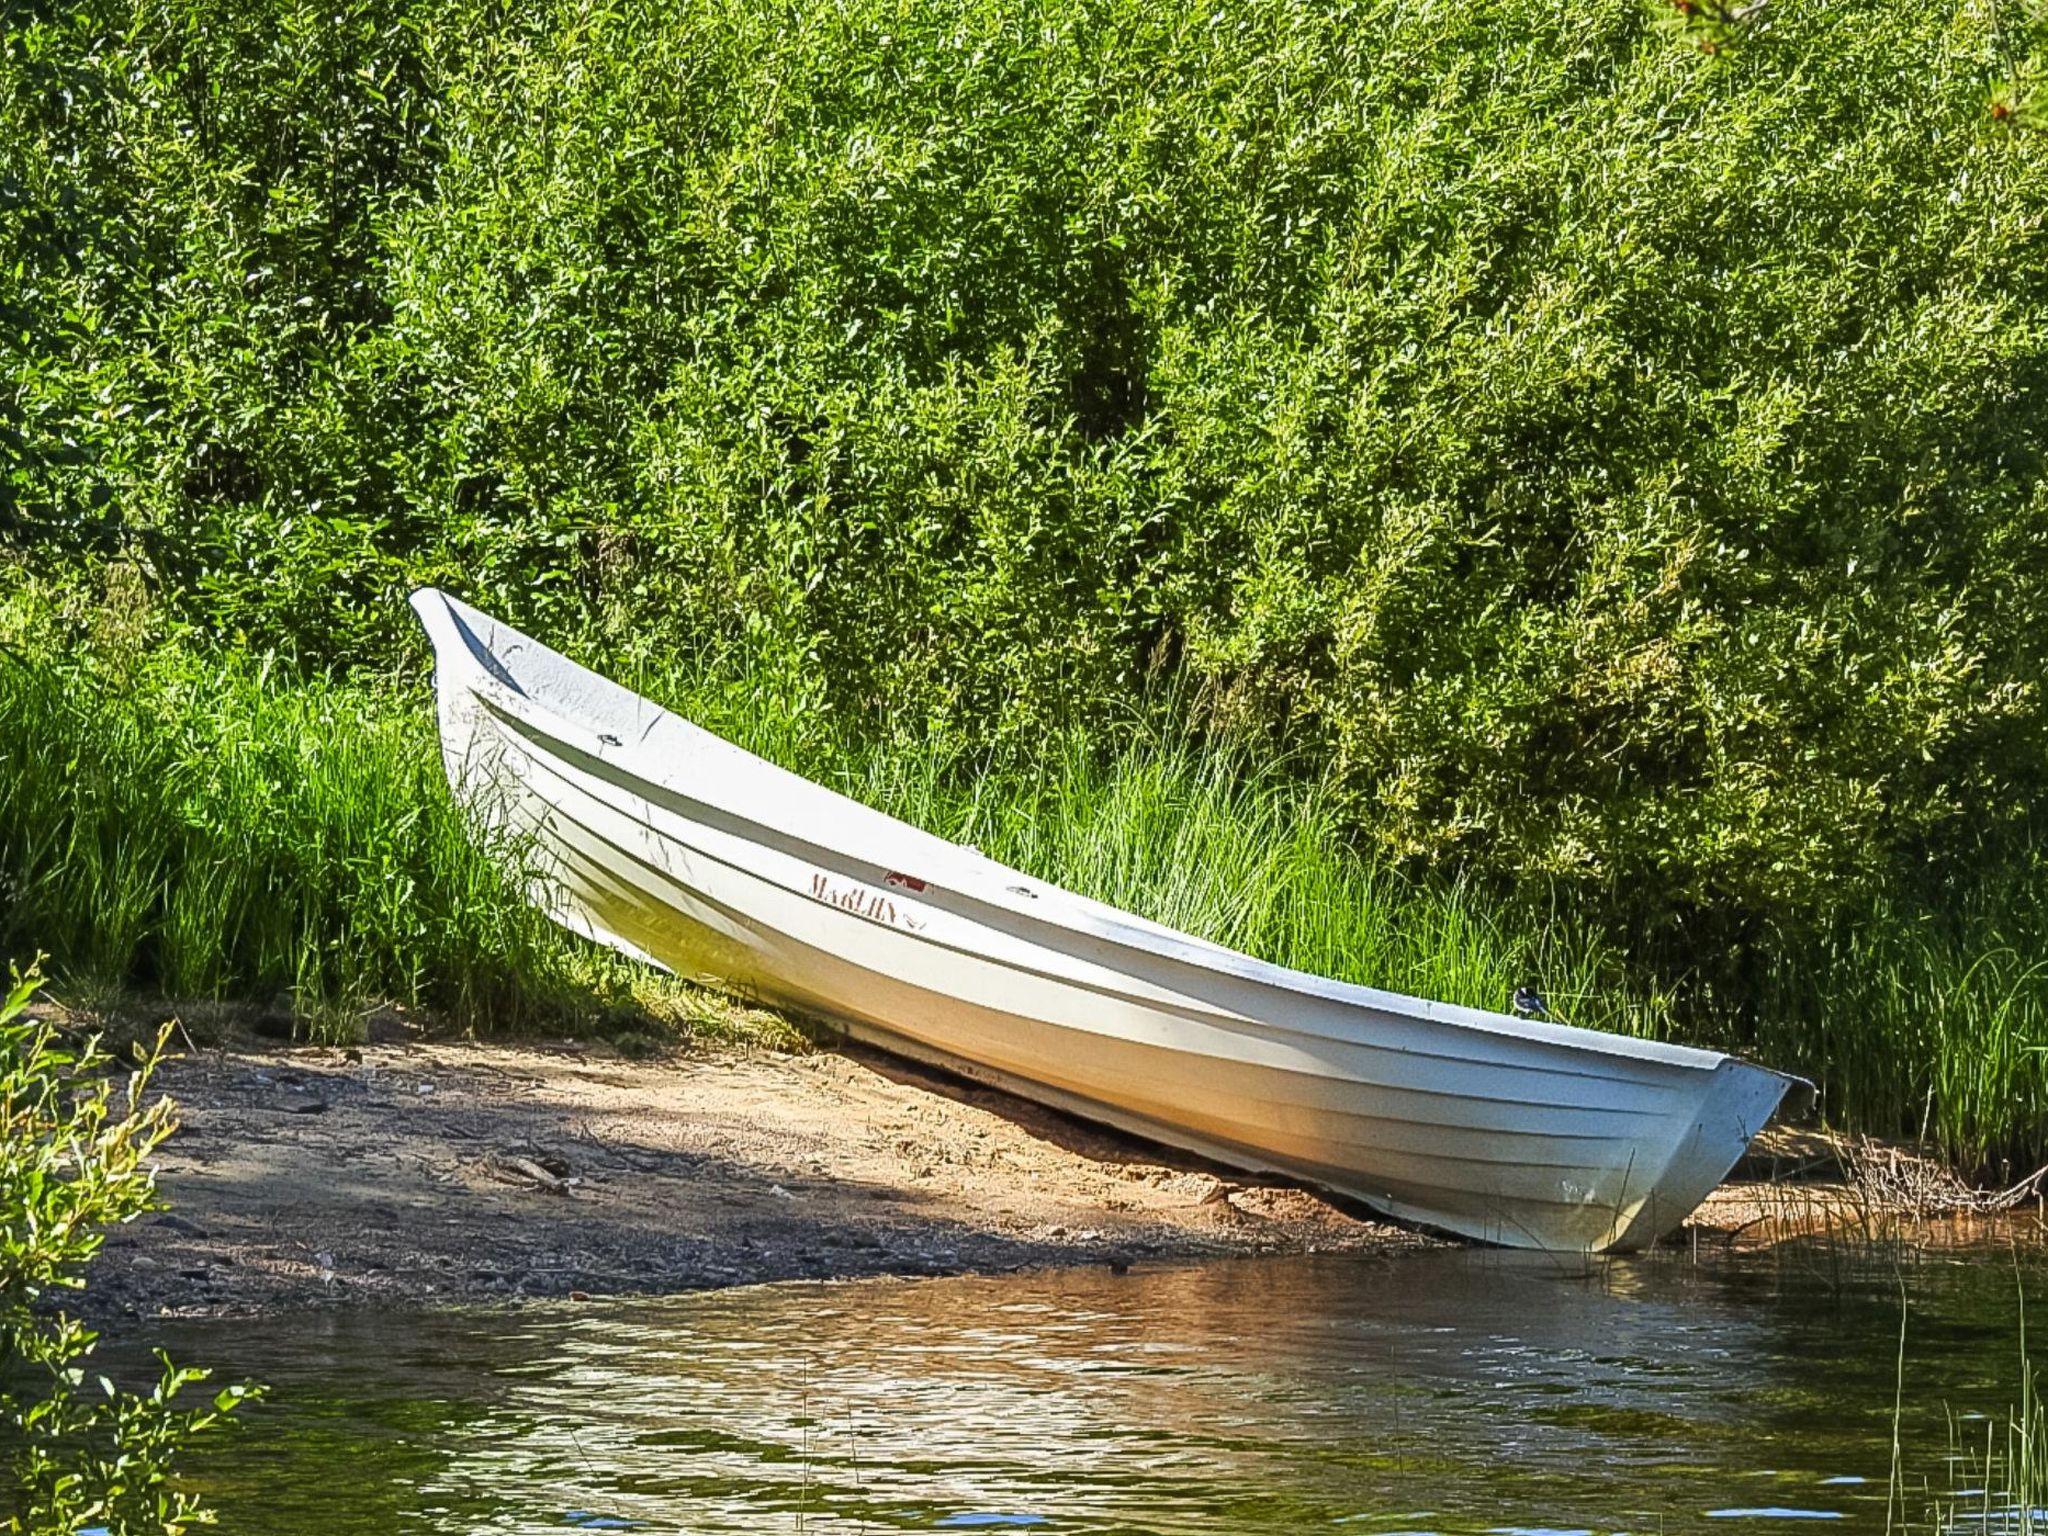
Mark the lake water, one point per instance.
(1447, 1391)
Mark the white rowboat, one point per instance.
(668, 843)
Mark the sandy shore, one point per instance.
(436, 1173)
(457, 1172)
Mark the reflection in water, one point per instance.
(1453, 1390)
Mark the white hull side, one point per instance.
(674, 846)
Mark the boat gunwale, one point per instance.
(1187, 1009)
(491, 682)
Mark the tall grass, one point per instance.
(194, 825)
(198, 829)
(1155, 820)
(1212, 844)
(1930, 1019)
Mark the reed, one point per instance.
(1929, 1019)
(2001, 1480)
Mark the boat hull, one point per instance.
(642, 832)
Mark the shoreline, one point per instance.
(457, 1172)
(447, 1173)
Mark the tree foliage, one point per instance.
(1613, 466)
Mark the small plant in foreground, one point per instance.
(74, 1160)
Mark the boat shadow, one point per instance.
(1082, 1138)
(1105, 1145)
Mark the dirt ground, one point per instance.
(460, 1172)
(436, 1173)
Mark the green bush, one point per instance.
(1618, 467)
(74, 1160)
(1609, 473)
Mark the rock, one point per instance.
(274, 1024)
(179, 1225)
(514, 1169)
(387, 1026)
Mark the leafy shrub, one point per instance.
(1607, 473)
(1616, 469)
(74, 1160)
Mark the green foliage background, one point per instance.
(1612, 471)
